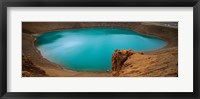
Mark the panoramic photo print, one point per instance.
(99, 49)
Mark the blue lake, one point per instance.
(91, 49)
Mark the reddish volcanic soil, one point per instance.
(137, 64)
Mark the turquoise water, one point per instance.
(91, 49)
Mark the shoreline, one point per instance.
(62, 67)
(55, 70)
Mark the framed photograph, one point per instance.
(90, 49)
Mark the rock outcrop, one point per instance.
(118, 59)
(129, 63)
(29, 69)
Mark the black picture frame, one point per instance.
(99, 3)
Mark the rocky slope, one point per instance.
(136, 64)
(29, 69)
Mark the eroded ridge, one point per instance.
(129, 63)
